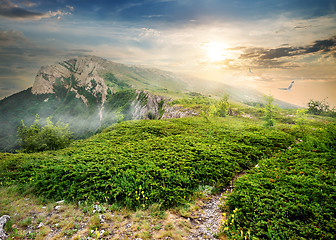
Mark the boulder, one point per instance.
(3, 221)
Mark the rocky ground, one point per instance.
(207, 221)
(32, 218)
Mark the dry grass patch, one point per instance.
(76, 222)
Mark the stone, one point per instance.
(3, 220)
(85, 72)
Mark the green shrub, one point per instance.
(291, 195)
(138, 163)
(222, 107)
(49, 137)
(269, 111)
(320, 108)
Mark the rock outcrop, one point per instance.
(84, 78)
(73, 74)
(149, 106)
(3, 221)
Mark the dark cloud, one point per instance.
(271, 57)
(18, 12)
(10, 10)
(328, 45)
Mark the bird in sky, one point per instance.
(288, 88)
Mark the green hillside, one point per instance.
(90, 93)
(149, 79)
(166, 162)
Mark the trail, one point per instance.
(206, 220)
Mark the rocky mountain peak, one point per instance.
(80, 72)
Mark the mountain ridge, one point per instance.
(91, 93)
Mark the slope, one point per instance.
(90, 93)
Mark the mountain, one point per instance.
(91, 93)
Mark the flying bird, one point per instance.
(289, 88)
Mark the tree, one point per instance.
(301, 116)
(319, 107)
(49, 137)
(269, 111)
(223, 106)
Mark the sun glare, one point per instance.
(215, 51)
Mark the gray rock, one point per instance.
(3, 221)
(87, 73)
(101, 218)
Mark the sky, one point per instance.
(279, 41)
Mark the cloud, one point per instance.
(8, 37)
(325, 46)
(20, 14)
(21, 58)
(284, 56)
(71, 8)
(147, 32)
(13, 11)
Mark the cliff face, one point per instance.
(76, 74)
(85, 78)
(158, 107)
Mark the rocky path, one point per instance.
(206, 220)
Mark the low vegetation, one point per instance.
(291, 195)
(148, 169)
(139, 163)
(321, 108)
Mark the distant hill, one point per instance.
(91, 93)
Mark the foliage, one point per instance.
(269, 111)
(49, 137)
(161, 110)
(290, 196)
(112, 81)
(138, 163)
(26, 105)
(320, 108)
(195, 99)
(301, 116)
(121, 100)
(223, 106)
(151, 115)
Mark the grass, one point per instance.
(73, 223)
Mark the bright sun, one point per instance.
(215, 51)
